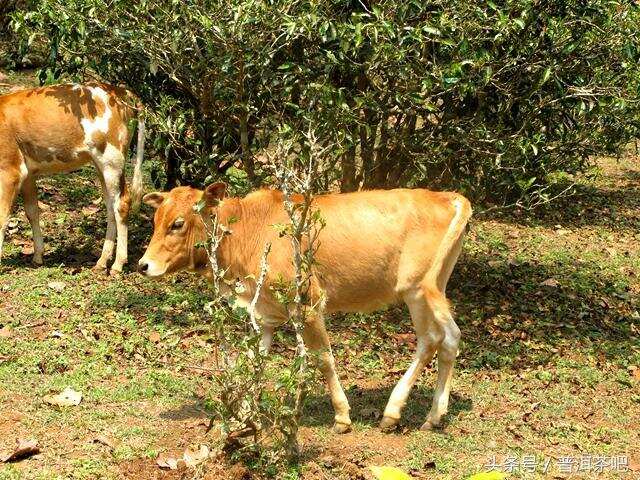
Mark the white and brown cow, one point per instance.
(377, 248)
(56, 129)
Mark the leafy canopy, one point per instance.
(496, 99)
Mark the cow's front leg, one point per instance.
(317, 340)
(30, 198)
(267, 338)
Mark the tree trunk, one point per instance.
(348, 182)
(247, 157)
(173, 169)
(378, 175)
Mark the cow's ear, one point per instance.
(154, 199)
(214, 193)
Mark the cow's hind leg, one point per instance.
(429, 335)
(122, 206)
(110, 237)
(317, 340)
(447, 352)
(10, 182)
(448, 348)
(435, 328)
(30, 197)
(116, 197)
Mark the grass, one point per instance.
(546, 301)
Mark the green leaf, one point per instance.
(545, 75)
(431, 30)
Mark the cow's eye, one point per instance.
(178, 224)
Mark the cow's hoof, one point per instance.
(102, 269)
(429, 426)
(115, 273)
(341, 427)
(37, 261)
(388, 424)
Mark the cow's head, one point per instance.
(178, 228)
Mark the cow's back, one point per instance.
(61, 127)
(374, 246)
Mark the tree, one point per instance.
(498, 99)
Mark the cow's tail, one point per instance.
(449, 249)
(136, 180)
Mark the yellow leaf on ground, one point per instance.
(488, 476)
(389, 473)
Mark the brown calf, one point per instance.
(56, 129)
(377, 248)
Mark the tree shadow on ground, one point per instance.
(517, 314)
(510, 318)
(195, 409)
(78, 243)
(613, 207)
(368, 403)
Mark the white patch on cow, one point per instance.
(99, 124)
(112, 159)
(24, 171)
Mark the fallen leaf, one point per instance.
(389, 473)
(25, 448)
(6, 332)
(57, 286)
(527, 414)
(487, 476)
(154, 337)
(200, 422)
(405, 338)
(550, 282)
(192, 458)
(101, 439)
(90, 210)
(165, 461)
(67, 398)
